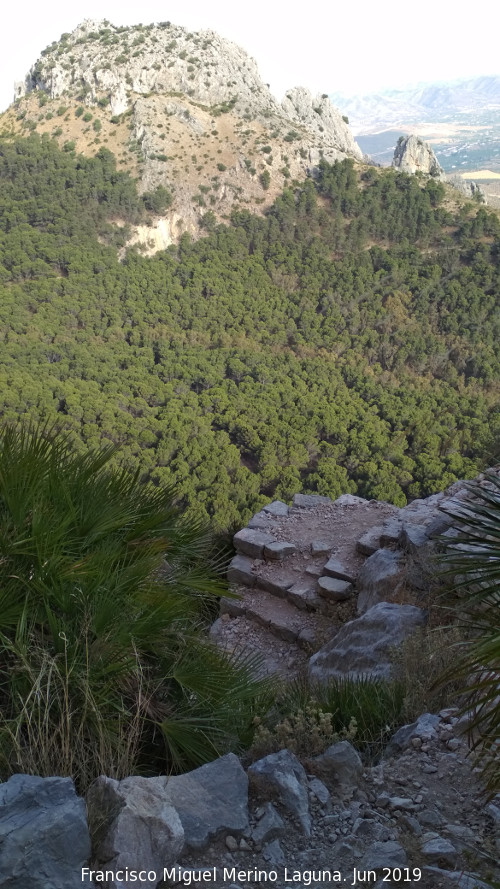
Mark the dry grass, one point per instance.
(419, 663)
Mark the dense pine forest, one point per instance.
(348, 340)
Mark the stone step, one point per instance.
(301, 591)
(291, 621)
(242, 636)
(334, 590)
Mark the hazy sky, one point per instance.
(351, 47)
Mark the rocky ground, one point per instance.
(417, 818)
(419, 808)
(357, 574)
(302, 572)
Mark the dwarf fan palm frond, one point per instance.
(102, 588)
(472, 558)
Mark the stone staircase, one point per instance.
(294, 575)
(302, 572)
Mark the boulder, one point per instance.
(319, 790)
(340, 767)
(383, 855)
(379, 578)
(273, 854)
(350, 500)
(145, 823)
(282, 773)
(440, 852)
(391, 529)
(362, 646)
(44, 838)
(413, 537)
(134, 826)
(269, 826)
(423, 728)
(369, 542)
(210, 800)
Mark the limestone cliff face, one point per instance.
(199, 119)
(467, 187)
(413, 155)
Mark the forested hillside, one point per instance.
(347, 341)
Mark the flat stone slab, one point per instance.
(261, 521)
(278, 550)
(349, 500)
(276, 615)
(333, 589)
(320, 548)
(233, 607)
(309, 501)
(314, 570)
(334, 568)
(251, 542)
(278, 584)
(369, 542)
(276, 508)
(303, 595)
(240, 571)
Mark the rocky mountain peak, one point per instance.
(413, 155)
(190, 108)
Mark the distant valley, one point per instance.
(461, 121)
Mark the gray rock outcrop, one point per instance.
(129, 68)
(44, 838)
(194, 113)
(413, 155)
(467, 187)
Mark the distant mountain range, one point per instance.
(430, 101)
(460, 119)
